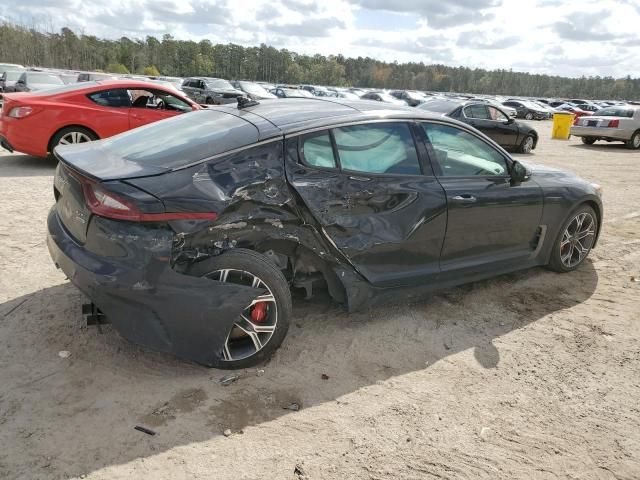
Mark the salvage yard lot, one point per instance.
(532, 375)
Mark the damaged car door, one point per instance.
(374, 198)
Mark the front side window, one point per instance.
(377, 148)
(158, 100)
(461, 154)
(495, 114)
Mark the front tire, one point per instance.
(588, 140)
(575, 239)
(529, 116)
(634, 141)
(262, 326)
(527, 144)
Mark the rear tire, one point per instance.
(72, 135)
(634, 142)
(588, 140)
(209, 101)
(568, 254)
(529, 116)
(257, 266)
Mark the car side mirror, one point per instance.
(509, 121)
(519, 173)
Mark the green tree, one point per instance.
(116, 68)
(151, 71)
(37, 45)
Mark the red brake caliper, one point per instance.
(259, 312)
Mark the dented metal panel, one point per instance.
(390, 227)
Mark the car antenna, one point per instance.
(244, 102)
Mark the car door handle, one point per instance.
(359, 179)
(466, 198)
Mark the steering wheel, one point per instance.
(161, 105)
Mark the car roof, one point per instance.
(290, 115)
(205, 78)
(97, 85)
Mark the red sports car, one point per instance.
(36, 122)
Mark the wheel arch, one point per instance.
(53, 135)
(301, 256)
(596, 208)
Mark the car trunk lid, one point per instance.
(70, 202)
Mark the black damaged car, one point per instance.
(188, 234)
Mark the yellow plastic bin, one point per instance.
(562, 122)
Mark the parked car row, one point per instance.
(493, 115)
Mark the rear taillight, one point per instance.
(613, 124)
(109, 205)
(20, 112)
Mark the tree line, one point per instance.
(67, 49)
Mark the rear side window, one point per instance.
(477, 111)
(377, 148)
(115, 97)
(318, 151)
(615, 112)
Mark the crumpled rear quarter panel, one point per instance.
(134, 285)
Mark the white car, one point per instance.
(613, 124)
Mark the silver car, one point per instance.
(620, 123)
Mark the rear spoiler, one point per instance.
(92, 161)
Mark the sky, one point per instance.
(563, 37)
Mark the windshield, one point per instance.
(615, 112)
(219, 83)
(253, 88)
(387, 98)
(44, 78)
(290, 92)
(12, 75)
(440, 106)
(531, 105)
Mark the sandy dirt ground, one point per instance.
(533, 375)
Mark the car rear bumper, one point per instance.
(22, 136)
(601, 132)
(148, 302)
(4, 143)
